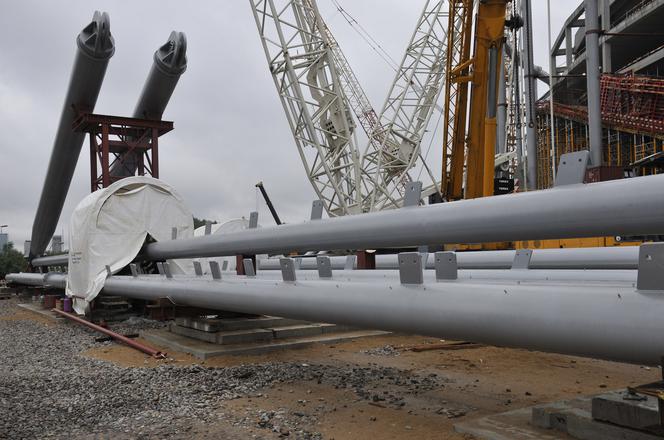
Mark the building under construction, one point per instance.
(632, 92)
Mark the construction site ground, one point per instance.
(56, 381)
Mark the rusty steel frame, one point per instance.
(133, 135)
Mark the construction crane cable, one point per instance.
(366, 36)
(433, 136)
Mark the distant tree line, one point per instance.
(11, 261)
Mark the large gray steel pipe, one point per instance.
(95, 48)
(51, 260)
(170, 62)
(611, 321)
(615, 323)
(621, 207)
(53, 279)
(560, 276)
(619, 257)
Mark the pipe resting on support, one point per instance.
(615, 257)
(612, 320)
(620, 207)
(593, 321)
(612, 257)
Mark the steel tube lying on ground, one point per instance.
(592, 321)
(587, 320)
(472, 276)
(95, 48)
(563, 276)
(51, 260)
(170, 62)
(620, 207)
(618, 257)
(57, 280)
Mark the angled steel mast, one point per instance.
(407, 110)
(310, 91)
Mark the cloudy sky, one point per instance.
(230, 129)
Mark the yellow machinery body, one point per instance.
(472, 152)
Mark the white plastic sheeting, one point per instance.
(225, 227)
(109, 227)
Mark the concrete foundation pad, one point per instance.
(614, 408)
(206, 350)
(296, 331)
(555, 421)
(189, 332)
(512, 425)
(222, 324)
(244, 336)
(37, 309)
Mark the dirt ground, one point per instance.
(482, 380)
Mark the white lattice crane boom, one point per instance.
(318, 90)
(309, 89)
(407, 111)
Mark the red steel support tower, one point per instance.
(113, 136)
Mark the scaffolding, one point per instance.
(632, 127)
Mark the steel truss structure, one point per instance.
(318, 90)
(407, 111)
(309, 87)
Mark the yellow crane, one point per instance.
(470, 107)
(472, 150)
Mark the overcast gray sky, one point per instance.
(230, 128)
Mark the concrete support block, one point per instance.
(244, 336)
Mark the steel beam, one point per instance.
(95, 48)
(170, 62)
(621, 207)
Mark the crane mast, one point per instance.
(310, 91)
(457, 64)
(472, 151)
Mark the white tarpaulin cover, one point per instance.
(225, 263)
(109, 227)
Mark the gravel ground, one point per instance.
(47, 389)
